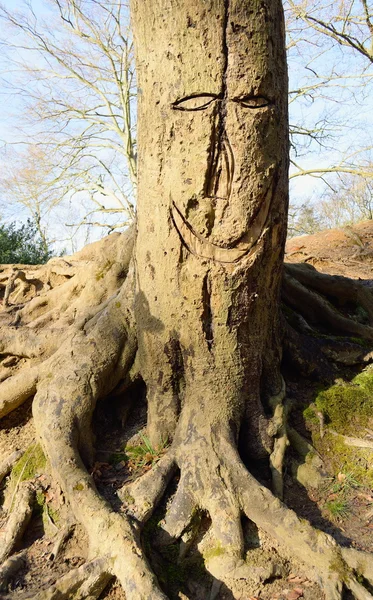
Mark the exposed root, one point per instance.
(61, 537)
(325, 560)
(317, 310)
(95, 360)
(360, 592)
(87, 581)
(359, 561)
(18, 520)
(145, 493)
(337, 286)
(213, 478)
(278, 430)
(22, 342)
(352, 441)
(97, 355)
(7, 464)
(17, 389)
(10, 567)
(17, 274)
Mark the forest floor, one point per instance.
(342, 505)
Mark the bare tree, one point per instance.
(304, 219)
(73, 79)
(329, 46)
(348, 200)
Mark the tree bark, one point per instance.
(212, 208)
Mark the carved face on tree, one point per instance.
(222, 119)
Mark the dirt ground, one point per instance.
(122, 455)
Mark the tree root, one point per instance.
(61, 537)
(17, 389)
(7, 464)
(22, 342)
(278, 430)
(18, 520)
(86, 581)
(149, 489)
(341, 288)
(216, 466)
(352, 441)
(317, 310)
(98, 353)
(94, 363)
(17, 274)
(10, 567)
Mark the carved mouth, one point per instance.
(200, 246)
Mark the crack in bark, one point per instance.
(175, 356)
(206, 317)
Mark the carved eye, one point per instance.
(253, 102)
(199, 102)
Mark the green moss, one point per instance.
(213, 552)
(39, 503)
(79, 487)
(118, 457)
(361, 342)
(54, 514)
(347, 406)
(339, 566)
(309, 414)
(31, 464)
(128, 498)
(101, 274)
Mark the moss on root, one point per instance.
(339, 566)
(348, 406)
(31, 464)
(347, 409)
(213, 552)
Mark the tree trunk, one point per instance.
(212, 208)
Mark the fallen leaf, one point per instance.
(295, 594)
(332, 496)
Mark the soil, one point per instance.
(119, 436)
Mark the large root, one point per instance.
(317, 310)
(317, 335)
(214, 479)
(20, 516)
(87, 581)
(97, 358)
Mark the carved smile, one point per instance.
(200, 246)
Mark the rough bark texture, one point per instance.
(212, 209)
